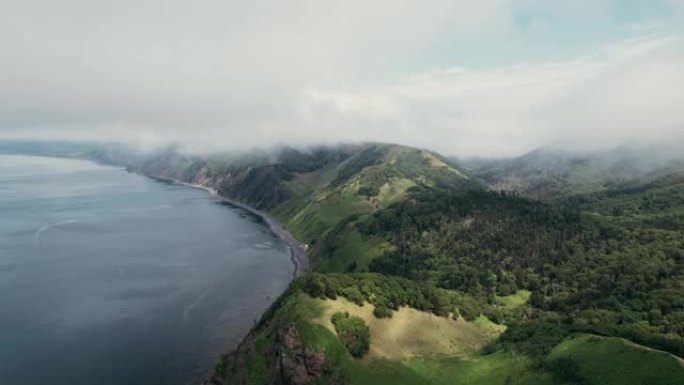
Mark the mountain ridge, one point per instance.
(311, 192)
(549, 172)
(402, 237)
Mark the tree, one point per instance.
(353, 333)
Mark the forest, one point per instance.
(610, 264)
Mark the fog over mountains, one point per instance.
(471, 192)
(486, 78)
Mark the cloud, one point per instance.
(625, 92)
(226, 74)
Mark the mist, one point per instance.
(492, 78)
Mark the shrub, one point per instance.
(468, 311)
(368, 191)
(382, 312)
(565, 370)
(353, 333)
(534, 338)
(494, 315)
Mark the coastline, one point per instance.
(298, 254)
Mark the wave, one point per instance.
(267, 245)
(36, 236)
(186, 312)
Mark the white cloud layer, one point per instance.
(225, 74)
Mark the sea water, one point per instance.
(108, 277)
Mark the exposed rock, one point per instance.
(289, 362)
(298, 365)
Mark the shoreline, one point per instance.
(297, 249)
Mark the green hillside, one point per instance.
(424, 275)
(331, 201)
(494, 286)
(608, 263)
(601, 360)
(297, 343)
(411, 347)
(320, 194)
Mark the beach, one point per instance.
(298, 253)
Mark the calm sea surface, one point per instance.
(107, 277)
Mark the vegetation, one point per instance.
(390, 293)
(600, 360)
(330, 202)
(416, 356)
(602, 264)
(353, 333)
(411, 333)
(515, 290)
(566, 370)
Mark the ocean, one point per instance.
(108, 277)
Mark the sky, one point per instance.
(466, 78)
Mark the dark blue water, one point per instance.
(107, 277)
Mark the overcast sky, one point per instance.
(486, 77)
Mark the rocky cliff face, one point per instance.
(258, 184)
(288, 362)
(257, 180)
(297, 365)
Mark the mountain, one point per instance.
(425, 271)
(478, 287)
(44, 148)
(116, 154)
(551, 172)
(318, 194)
(444, 281)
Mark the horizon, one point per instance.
(667, 149)
(496, 79)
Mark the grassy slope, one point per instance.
(411, 333)
(433, 358)
(413, 347)
(473, 369)
(616, 361)
(514, 300)
(320, 212)
(353, 251)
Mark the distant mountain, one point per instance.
(314, 192)
(551, 173)
(106, 153)
(45, 148)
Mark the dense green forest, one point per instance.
(611, 264)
